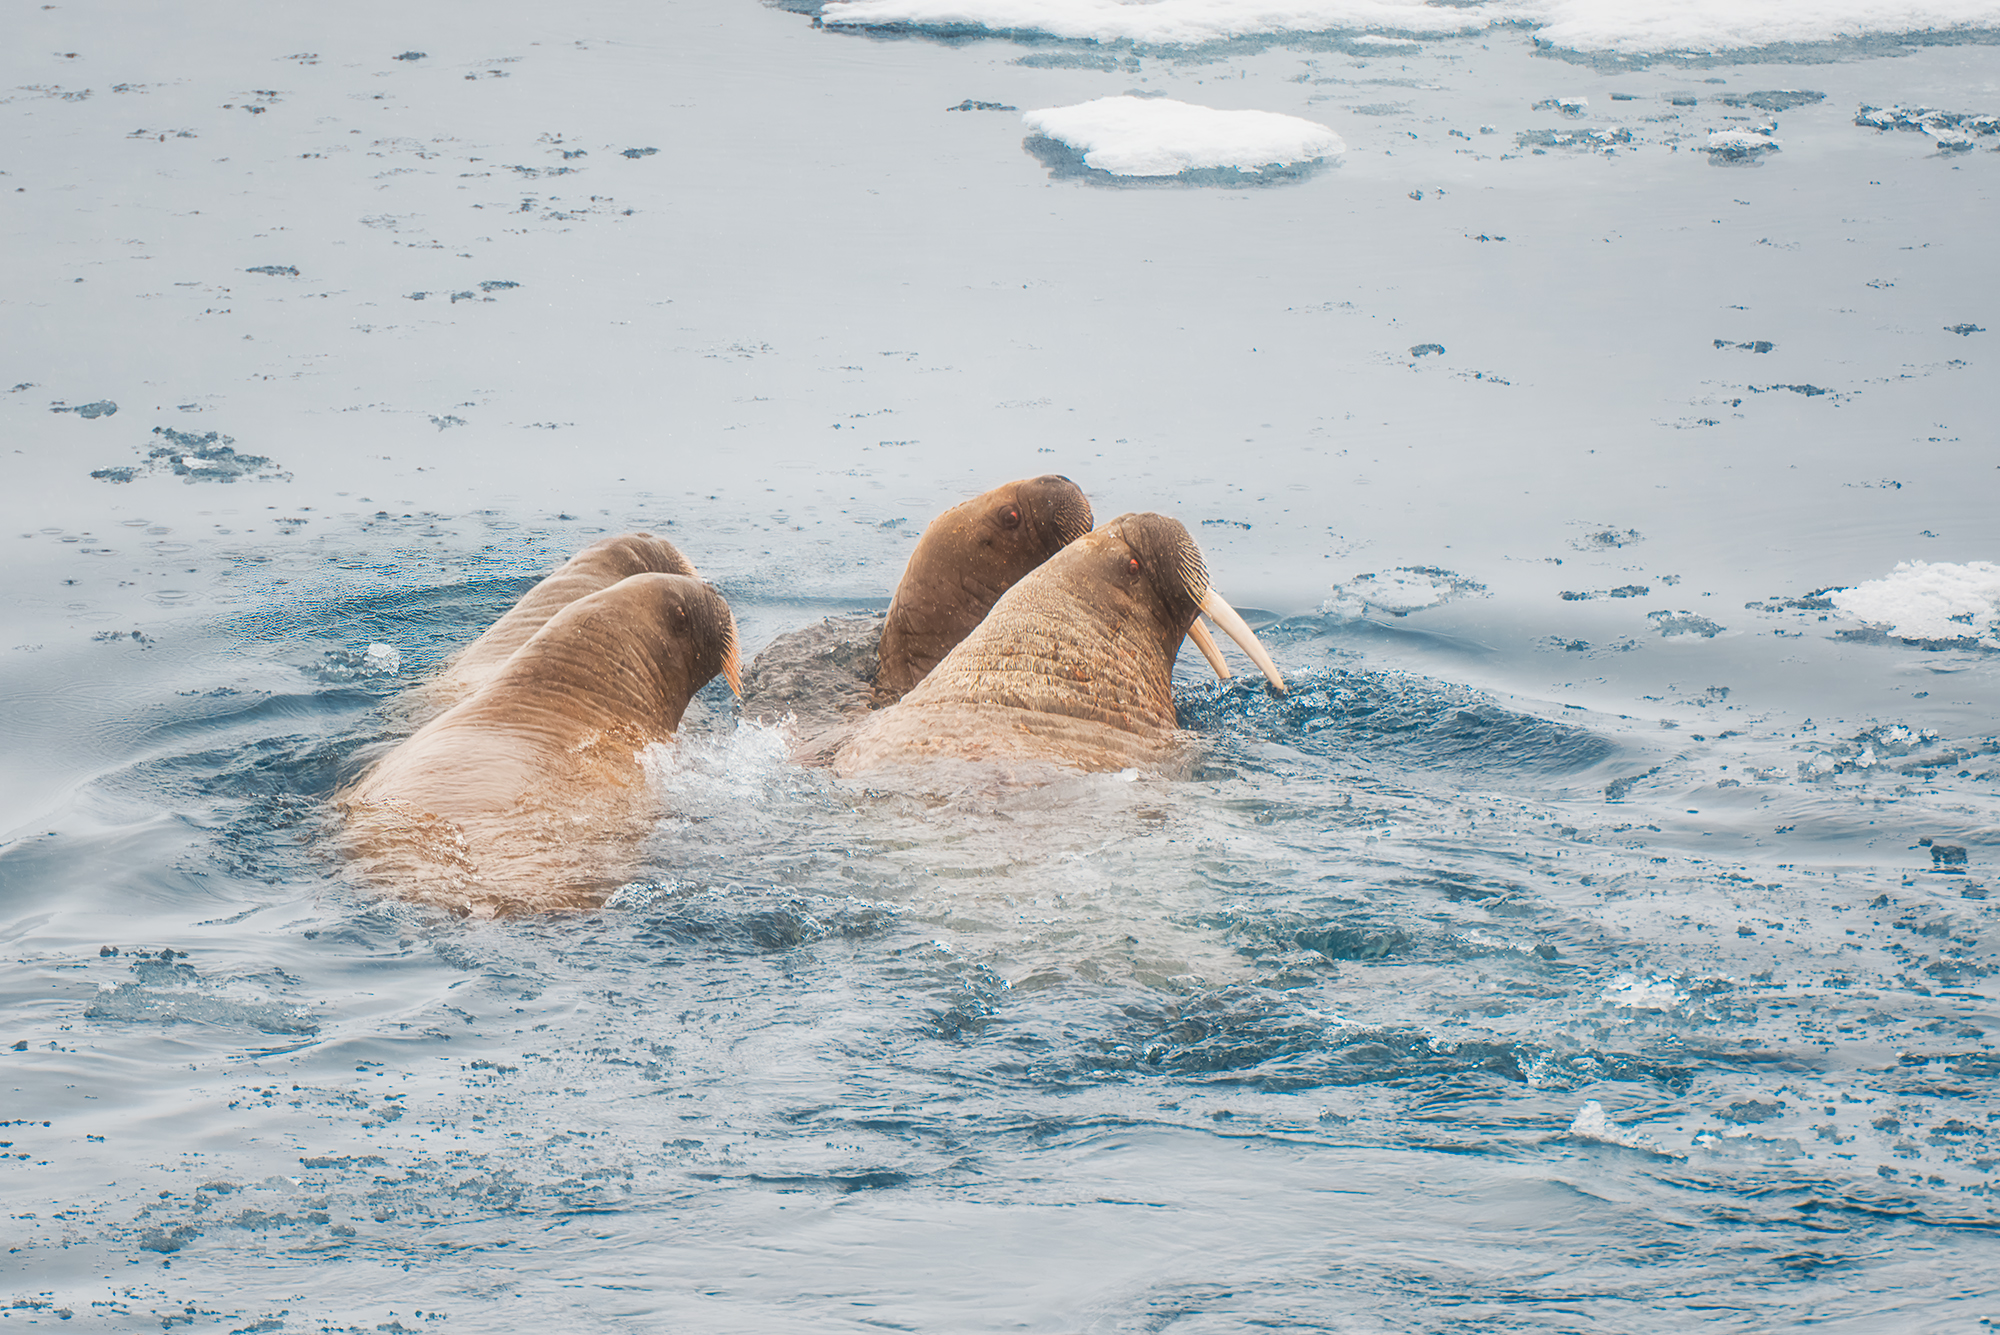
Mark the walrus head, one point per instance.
(1072, 667)
(633, 654)
(967, 558)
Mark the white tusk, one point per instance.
(1206, 643)
(1223, 615)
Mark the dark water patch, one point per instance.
(753, 924)
(1332, 710)
(101, 408)
(275, 270)
(1757, 345)
(970, 105)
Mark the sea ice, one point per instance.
(1626, 26)
(1921, 600)
(1157, 136)
(1740, 143)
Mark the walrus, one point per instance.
(1072, 668)
(827, 677)
(967, 558)
(531, 793)
(598, 566)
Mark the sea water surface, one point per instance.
(1596, 938)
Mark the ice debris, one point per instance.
(1592, 1123)
(1736, 145)
(1952, 131)
(1933, 603)
(1158, 136)
(1398, 592)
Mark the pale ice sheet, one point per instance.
(1158, 136)
(1922, 600)
(1621, 26)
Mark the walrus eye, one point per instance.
(1135, 565)
(1010, 518)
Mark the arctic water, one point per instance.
(1596, 938)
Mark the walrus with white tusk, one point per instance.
(530, 794)
(1072, 667)
(827, 676)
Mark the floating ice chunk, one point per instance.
(1592, 1123)
(1935, 602)
(1398, 592)
(1685, 26)
(1655, 993)
(1165, 22)
(380, 660)
(1714, 25)
(1157, 136)
(1740, 143)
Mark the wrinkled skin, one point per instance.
(530, 794)
(598, 566)
(1072, 668)
(968, 557)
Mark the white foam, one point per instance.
(1157, 136)
(1656, 993)
(1592, 1123)
(1921, 600)
(1626, 26)
(381, 660)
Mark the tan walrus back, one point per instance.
(1072, 667)
(530, 794)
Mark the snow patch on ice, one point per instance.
(1157, 136)
(1632, 27)
(1937, 602)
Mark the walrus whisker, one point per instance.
(1206, 643)
(1223, 615)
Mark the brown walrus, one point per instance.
(598, 566)
(531, 793)
(1072, 667)
(967, 558)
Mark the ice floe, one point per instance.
(1740, 143)
(1620, 26)
(1934, 602)
(1157, 136)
